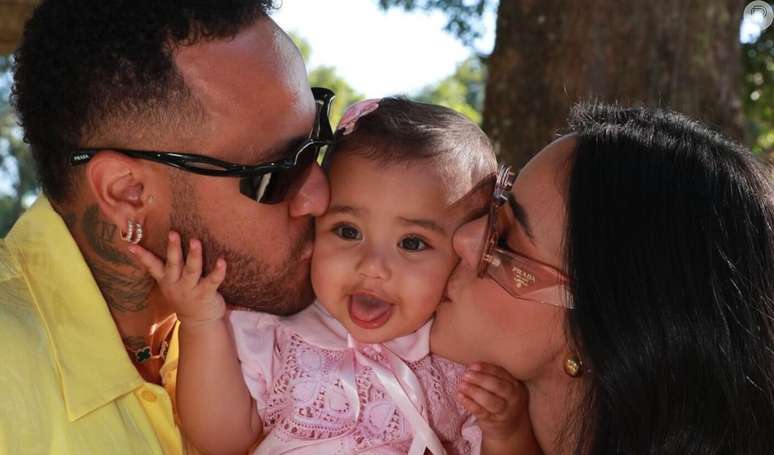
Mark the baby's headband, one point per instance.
(354, 113)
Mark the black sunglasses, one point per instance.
(267, 183)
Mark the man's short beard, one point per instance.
(250, 283)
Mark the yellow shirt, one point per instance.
(67, 385)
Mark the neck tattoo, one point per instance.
(123, 292)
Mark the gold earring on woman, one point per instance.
(573, 366)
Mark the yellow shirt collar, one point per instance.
(88, 350)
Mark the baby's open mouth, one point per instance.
(369, 311)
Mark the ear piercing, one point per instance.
(133, 233)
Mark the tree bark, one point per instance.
(549, 54)
(13, 15)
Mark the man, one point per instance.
(105, 90)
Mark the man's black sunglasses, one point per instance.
(267, 183)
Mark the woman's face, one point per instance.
(480, 321)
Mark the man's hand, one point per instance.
(195, 298)
(499, 403)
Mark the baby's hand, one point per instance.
(499, 403)
(195, 298)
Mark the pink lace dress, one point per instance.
(318, 391)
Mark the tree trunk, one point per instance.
(13, 15)
(549, 54)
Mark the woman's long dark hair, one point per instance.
(670, 244)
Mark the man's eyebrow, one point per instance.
(521, 216)
(427, 224)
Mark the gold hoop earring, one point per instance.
(573, 366)
(133, 233)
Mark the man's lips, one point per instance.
(305, 245)
(306, 253)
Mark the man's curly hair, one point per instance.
(100, 70)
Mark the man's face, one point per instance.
(258, 104)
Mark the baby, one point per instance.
(353, 373)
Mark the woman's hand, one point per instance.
(499, 403)
(196, 299)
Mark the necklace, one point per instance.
(141, 351)
(145, 353)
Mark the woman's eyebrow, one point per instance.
(521, 216)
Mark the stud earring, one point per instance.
(573, 366)
(133, 233)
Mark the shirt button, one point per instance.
(148, 396)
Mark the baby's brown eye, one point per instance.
(347, 232)
(413, 244)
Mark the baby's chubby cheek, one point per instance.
(331, 271)
(319, 266)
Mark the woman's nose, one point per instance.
(469, 241)
(374, 265)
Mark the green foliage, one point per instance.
(758, 96)
(303, 46)
(17, 169)
(463, 91)
(464, 15)
(326, 76)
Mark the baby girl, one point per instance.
(353, 373)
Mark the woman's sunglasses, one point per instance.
(267, 183)
(522, 277)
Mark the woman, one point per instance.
(627, 279)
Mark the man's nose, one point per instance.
(312, 196)
(468, 241)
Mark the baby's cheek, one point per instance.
(429, 283)
(325, 271)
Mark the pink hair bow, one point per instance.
(354, 113)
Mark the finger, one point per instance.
(213, 280)
(192, 270)
(174, 257)
(152, 264)
(488, 401)
(472, 407)
(506, 388)
(493, 370)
